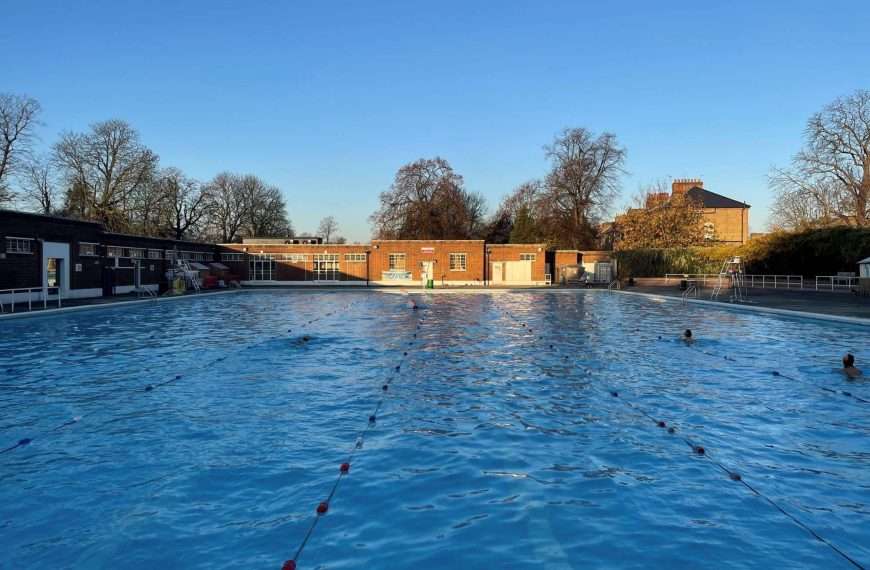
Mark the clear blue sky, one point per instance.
(328, 99)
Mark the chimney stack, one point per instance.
(683, 185)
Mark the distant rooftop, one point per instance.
(286, 240)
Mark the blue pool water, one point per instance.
(499, 443)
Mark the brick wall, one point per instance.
(433, 251)
(731, 225)
(513, 252)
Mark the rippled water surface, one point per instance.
(499, 443)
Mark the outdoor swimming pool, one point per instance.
(499, 443)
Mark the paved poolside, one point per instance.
(838, 303)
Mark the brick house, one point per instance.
(725, 221)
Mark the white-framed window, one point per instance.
(354, 257)
(397, 261)
(155, 254)
(458, 262)
(87, 249)
(232, 257)
(137, 252)
(709, 231)
(19, 245)
(528, 257)
(114, 251)
(295, 257)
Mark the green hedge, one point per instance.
(808, 253)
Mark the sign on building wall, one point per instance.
(427, 250)
(78, 267)
(395, 275)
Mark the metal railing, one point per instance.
(614, 285)
(833, 282)
(44, 293)
(755, 281)
(775, 281)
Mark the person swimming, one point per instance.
(687, 336)
(849, 366)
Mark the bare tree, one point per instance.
(40, 186)
(226, 207)
(18, 117)
(265, 209)
(830, 177)
(328, 228)
(427, 200)
(583, 183)
(186, 202)
(802, 202)
(105, 166)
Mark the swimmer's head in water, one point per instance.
(687, 333)
(848, 360)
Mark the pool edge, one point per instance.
(750, 308)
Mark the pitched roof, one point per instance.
(712, 200)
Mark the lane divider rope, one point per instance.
(733, 475)
(323, 507)
(24, 442)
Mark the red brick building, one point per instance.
(388, 262)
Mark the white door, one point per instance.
(518, 271)
(497, 271)
(602, 272)
(427, 271)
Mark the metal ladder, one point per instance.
(185, 266)
(614, 285)
(691, 291)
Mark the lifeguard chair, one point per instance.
(732, 275)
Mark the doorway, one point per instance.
(56, 269)
(326, 267)
(261, 268)
(427, 272)
(53, 273)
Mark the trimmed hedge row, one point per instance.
(808, 253)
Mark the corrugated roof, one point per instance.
(712, 200)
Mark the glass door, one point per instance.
(326, 267)
(261, 268)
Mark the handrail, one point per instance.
(692, 289)
(837, 281)
(46, 291)
(762, 281)
(614, 285)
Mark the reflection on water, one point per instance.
(498, 446)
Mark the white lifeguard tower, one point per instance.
(732, 275)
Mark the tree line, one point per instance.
(106, 174)
(429, 200)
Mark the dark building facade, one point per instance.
(80, 259)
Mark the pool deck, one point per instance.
(831, 303)
(838, 304)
